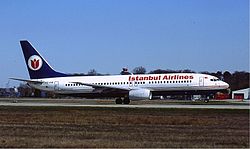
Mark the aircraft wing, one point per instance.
(102, 88)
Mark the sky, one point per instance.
(75, 36)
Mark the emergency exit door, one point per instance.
(201, 81)
(56, 85)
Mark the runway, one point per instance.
(99, 103)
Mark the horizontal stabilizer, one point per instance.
(25, 80)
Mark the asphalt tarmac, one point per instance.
(41, 102)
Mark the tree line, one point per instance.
(237, 80)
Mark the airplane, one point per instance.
(123, 87)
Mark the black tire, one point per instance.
(118, 101)
(126, 101)
(206, 100)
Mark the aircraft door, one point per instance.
(201, 81)
(56, 85)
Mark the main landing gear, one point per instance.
(126, 100)
(206, 98)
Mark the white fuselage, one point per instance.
(152, 82)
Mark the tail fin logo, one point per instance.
(35, 62)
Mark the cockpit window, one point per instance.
(215, 79)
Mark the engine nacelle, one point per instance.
(140, 94)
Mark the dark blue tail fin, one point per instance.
(36, 64)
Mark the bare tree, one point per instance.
(139, 70)
(92, 72)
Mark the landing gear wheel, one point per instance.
(118, 101)
(206, 100)
(126, 101)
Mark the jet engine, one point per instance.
(140, 94)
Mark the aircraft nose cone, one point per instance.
(226, 85)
